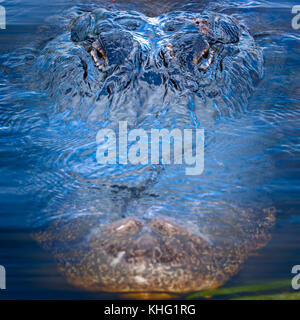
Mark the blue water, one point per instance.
(38, 157)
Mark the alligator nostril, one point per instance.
(165, 227)
(123, 228)
(157, 254)
(202, 24)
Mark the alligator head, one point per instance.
(172, 72)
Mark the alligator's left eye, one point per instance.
(190, 51)
(203, 53)
(204, 58)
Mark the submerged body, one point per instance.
(181, 70)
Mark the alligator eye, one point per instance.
(99, 56)
(205, 59)
(202, 54)
(205, 53)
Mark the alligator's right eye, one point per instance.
(204, 57)
(112, 50)
(99, 56)
(205, 53)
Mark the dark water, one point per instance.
(34, 166)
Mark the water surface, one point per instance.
(41, 155)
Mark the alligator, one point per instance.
(178, 70)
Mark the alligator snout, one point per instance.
(158, 241)
(139, 256)
(132, 255)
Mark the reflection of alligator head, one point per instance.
(151, 72)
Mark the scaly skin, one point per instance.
(117, 59)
